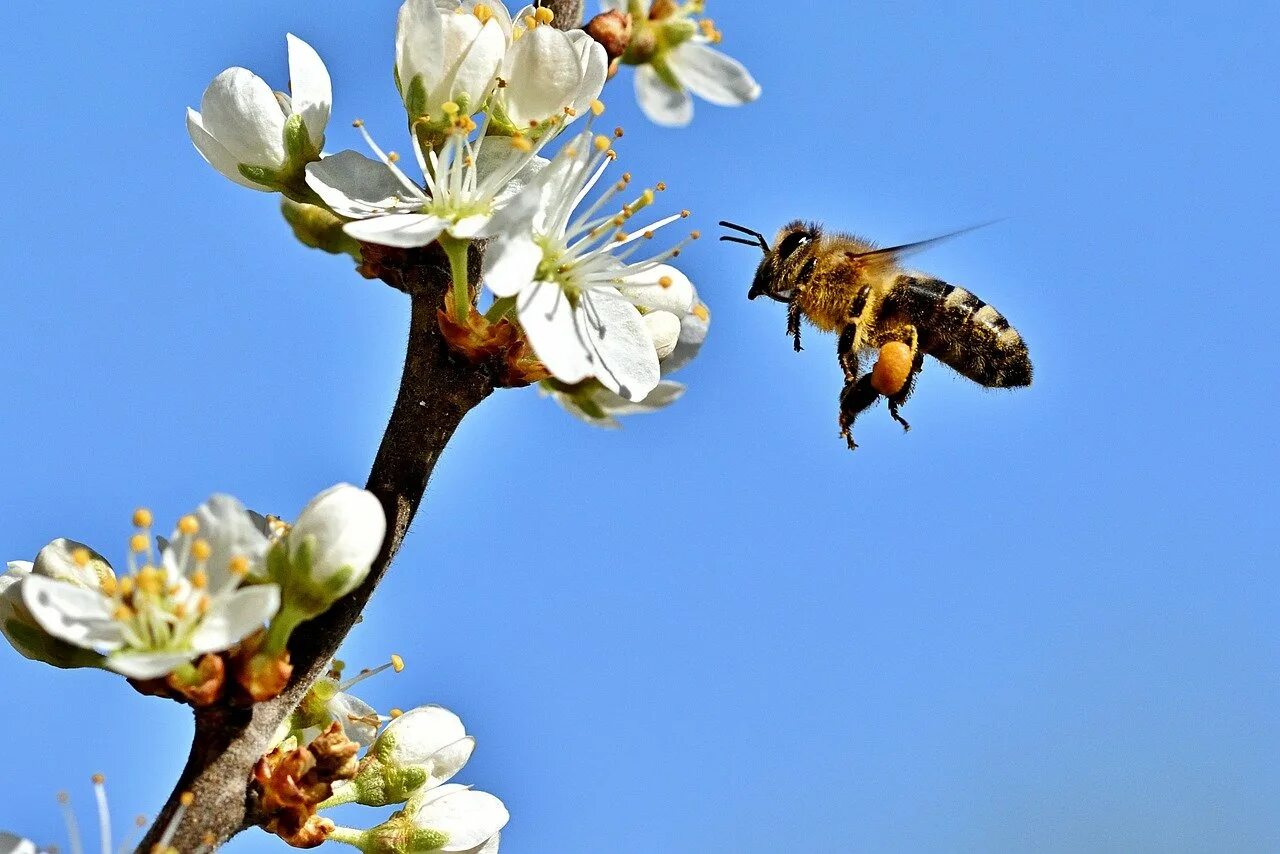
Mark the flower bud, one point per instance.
(329, 550)
(417, 752)
(25, 633)
(612, 30)
(451, 818)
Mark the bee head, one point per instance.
(769, 280)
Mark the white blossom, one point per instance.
(171, 607)
(468, 185)
(342, 529)
(672, 54)
(258, 138)
(580, 299)
(448, 53)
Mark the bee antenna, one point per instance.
(758, 241)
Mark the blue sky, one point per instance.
(1044, 620)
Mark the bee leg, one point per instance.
(857, 397)
(848, 354)
(897, 400)
(793, 321)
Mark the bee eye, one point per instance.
(791, 243)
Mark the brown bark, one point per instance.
(436, 391)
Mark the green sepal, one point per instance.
(33, 643)
(318, 228)
(269, 178)
(676, 32)
(415, 99)
(665, 74)
(380, 784)
(297, 143)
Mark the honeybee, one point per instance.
(845, 285)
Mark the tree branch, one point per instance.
(437, 390)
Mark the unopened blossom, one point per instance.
(548, 76)
(416, 752)
(262, 139)
(172, 606)
(451, 819)
(25, 633)
(671, 50)
(468, 184)
(447, 57)
(577, 293)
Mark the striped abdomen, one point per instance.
(960, 330)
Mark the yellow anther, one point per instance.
(530, 22)
(662, 186)
(483, 12)
(502, 84)
(570, 112)
(187, 799)
(122, 613)
(648, 235)
(126, 587)
(685, 214)
(203, 605)
(611, 155)
(397, 663)
(180, 611)
(395, 713)
(81, 557)
(602, 143)
(626, 177)
(621, 220)
(199, 579)
(142, 518)
(138, 543)
(239, 566)
(621, 236)
(544, 15)
(666, 281)
(393, 157)
(468, 161)
(696, 235)
(109, 585)
(201, 550)
(618, 133)
(647, 197)
(358, 123)
(450, 108)
(63, 798)
(597, 107)
(701, 312)
(522, 143)
(149, 580)
(98, 779)
(189, 525)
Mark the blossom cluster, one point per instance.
(485, 93)
(226, 580)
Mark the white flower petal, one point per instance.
(357, 187)
(347, 526)
(625, 360)
(420, 45)
(481, 48)
(469, 818)
(357, 718)
(56, 561)
(232, 619)
(475, 225)
(665, 394)
(421, 734)
(544, 74)
(693, 332)
(229, 530)
(240, 111)
(664, 329)
(404, 231)
(594, 62)
(147, 665)
(548, 321)
(510, 261)
(711, 75)
(310, 87)
(216, 154)
(662, 104)
(646, 289)
(79, 616)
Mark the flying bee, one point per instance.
(845, 285)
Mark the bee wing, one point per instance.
(906, 250)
